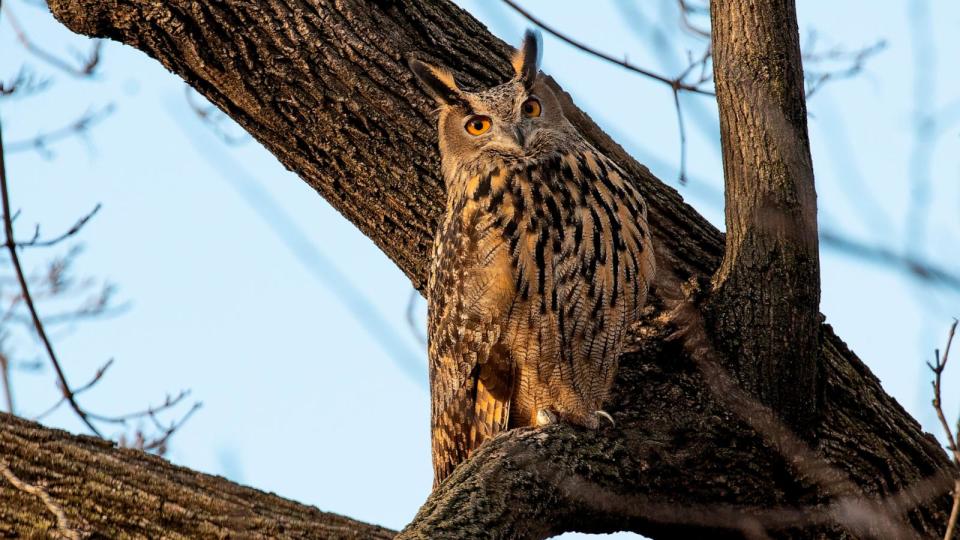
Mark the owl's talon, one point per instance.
(606, 415)
(545, 417)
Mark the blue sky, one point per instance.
(249, 289)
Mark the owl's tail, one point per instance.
(481, 413)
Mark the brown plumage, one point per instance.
(541, 264)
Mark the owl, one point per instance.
(541, 264)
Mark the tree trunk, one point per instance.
(766, 301)
(110, 492)
(325, 87)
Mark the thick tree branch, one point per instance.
(683, 462)
(324, 86)
(123, 493)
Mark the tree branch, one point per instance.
(120, 493)
(676, 83)
(670, 417)
(87, 65)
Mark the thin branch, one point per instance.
(686, 10)
(673, 83)
(919, 269)
(160, 444)
(97, 310)
(84, 70)
(24, 83)
(25, 290)
(938, 367)
(36, 242)
(857, 59)
(63, 524)
(683, 137)
(78, 127)
(150, 411)
(96, 378)
(704, 76)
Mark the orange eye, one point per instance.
(478, 125)
(531, 108)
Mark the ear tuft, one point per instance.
(438, 81)
(526, 61)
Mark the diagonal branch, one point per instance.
(86, 67)
(78, 127)
(118, 493)
(675, 83)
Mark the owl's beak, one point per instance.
(519, 136)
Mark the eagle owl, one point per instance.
(542, 262)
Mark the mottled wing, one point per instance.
(470, 292)
(602, 272)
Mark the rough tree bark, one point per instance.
(110, 492)
(766, 301)
(323, 84)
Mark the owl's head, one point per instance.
(514, 123)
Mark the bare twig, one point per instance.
(673, 83)
(96, 378)
(683, 137)
(159, 444)
(856, 60)
(150, 411)
(96, 310)
(921, 270)
(78, 127)
(686, 10)
(36, 242)
(23, 83)
(63, 524)
(25, 291)
(87, 64)
(704, 76)
(937, 367)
